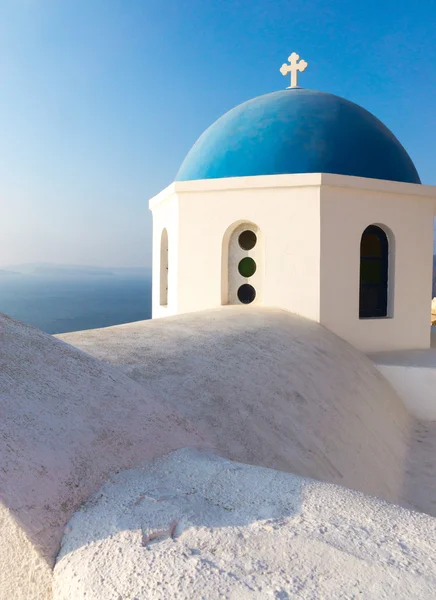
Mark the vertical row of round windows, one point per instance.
(247, 266)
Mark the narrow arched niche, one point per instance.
(164, 268)
(376, 273)
(242, 264)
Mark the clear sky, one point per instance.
(100, 100)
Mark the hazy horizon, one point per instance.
(59, 271)
(100, 102)
(62, 264)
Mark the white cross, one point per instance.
(293, 68)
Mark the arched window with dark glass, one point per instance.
(164, 268)
(374, 271)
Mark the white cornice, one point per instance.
(294, 181)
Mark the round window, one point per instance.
(247, 267)
(247, 239)
(246, 293)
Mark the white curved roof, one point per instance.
(192, 526)
(66, 421)
(258, 386)
(269, 388)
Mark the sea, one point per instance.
(63, 304)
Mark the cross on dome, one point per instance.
(295, 65)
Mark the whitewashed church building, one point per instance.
(305, 201)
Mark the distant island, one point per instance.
(60, 270)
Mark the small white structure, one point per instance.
(308, 230)
(304, 201)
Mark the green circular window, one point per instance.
(247, 239)
(247, 267)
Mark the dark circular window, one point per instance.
(246, 293)
(247, 267)
(247, 239)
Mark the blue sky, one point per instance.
(100, 100)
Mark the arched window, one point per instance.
(164, 268)
(242, 264)
(374, 271)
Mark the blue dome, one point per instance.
(298, 131)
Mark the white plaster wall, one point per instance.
(165, 216)
(345, 213)
(24, 573)
(311, 226)
(415, 385)
(286, 210)
(412, 374)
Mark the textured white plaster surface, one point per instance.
(192, 526)
(273, 389)
(66, 421)
(413, 375)
(259, 386)
(24, 574)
